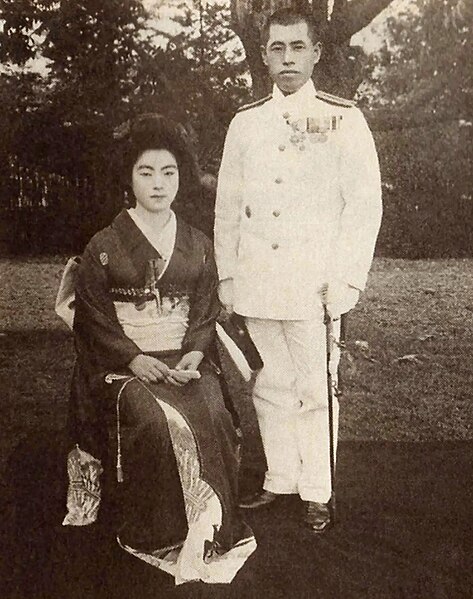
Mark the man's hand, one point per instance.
(185, 368)
(225, 294)
(148, 369)
(339, 297)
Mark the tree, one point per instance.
(205, 73)
(420, 89)
(90, 51)
(423, 67)
(339, 70)
(105, 62)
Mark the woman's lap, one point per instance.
(153, 513)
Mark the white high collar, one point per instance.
(296, 104)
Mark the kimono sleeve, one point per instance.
(96, 323)
(205, 307)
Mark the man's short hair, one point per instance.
(290, 16)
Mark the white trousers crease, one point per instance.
(291, 402)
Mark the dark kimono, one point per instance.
(177, 447)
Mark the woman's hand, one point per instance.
(148, 369)
(189, 362)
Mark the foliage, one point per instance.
(427, 173)
(422, 75)
(424, 62)
(106, 61)
(101, 64)
(88, 48)
(204, 64)
(88, 51)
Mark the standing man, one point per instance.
(297, 215)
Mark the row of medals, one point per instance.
(313, 129)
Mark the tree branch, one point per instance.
(351, 17)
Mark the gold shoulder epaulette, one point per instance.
(335, 100)
(255, 104)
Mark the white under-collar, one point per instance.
(298, 102)
(162, 241)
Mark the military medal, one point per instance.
(318, 137)
(315, 129)
(318, 128)
(299, 128)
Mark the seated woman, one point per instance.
(146, 305)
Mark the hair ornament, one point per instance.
(122, 130)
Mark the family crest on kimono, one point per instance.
(146, 306)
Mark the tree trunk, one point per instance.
(340, 67)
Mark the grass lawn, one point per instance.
(422, 309)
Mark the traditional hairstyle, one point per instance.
(291, 16)
(152, 131)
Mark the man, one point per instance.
(297, 215)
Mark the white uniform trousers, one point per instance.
(291, 402)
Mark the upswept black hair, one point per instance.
(291, 16)
(152, 131)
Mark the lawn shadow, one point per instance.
(403, 530)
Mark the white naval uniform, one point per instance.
(298, 204)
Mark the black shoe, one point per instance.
(317, 516)
(259, 499)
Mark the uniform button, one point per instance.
(276, 212)
(278, 180)
(282, 147)
(248, 211)
(275, 246)
(285, 115)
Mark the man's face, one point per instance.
(290, 56)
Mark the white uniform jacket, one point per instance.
(298, 202)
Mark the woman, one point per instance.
(146, 304)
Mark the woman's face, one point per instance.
(155, 180)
